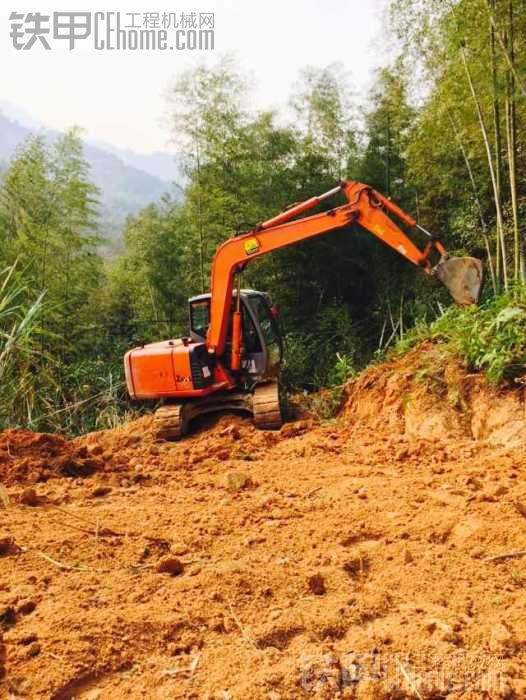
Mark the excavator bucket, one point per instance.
(463, 278)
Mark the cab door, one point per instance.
(263, 347)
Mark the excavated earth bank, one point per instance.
(379, 555)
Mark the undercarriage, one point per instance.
(172, 420)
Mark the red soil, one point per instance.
(350, 559)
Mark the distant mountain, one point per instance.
(11, 134)
(18, 114)
(162, 165)
(125, 186)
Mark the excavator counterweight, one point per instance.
(232, 357)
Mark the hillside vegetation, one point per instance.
(491, 337)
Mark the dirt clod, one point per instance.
(29, 497)
(520, 507)
(27, 607)
(356, 566)
(316, 584)
(237, 481)
(7, 546)
(502, 641)
(442, 630)
(33, 650)
(231, 431)
(7, 617)
(100, 491)
(170, 565)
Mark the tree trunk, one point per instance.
(200, 224)
(484, 132)
(388, 158)
(496, 110)
(507, 56)
(511, 137)
(475, 197)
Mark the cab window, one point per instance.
(200, 317)
(265, 320)
(250, 335)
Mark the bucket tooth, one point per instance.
(463, 277)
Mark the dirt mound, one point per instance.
(32, 457)
(352, 559)
(29, 458)
(426, 394)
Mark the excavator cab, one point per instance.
(262, 340)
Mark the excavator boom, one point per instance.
(365, 206)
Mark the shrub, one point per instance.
(327, 355)
(38, 391)
(490, 337)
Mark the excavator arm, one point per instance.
(366, 207)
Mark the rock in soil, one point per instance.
(170, 565)
(316, 584)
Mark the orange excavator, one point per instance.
(232, 356)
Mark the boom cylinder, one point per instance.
(297, 209)
(235, 361)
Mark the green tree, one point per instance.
(49, 239)
(325, 115)
(388, 122)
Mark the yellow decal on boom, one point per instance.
(251, 246)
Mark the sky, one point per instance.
(118, 97)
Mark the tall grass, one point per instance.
(91, 395)
(19, 350)
(490, 337)
(41, 392)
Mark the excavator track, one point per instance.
(169, 422)
(266, 406)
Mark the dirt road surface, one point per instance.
(379, 555)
